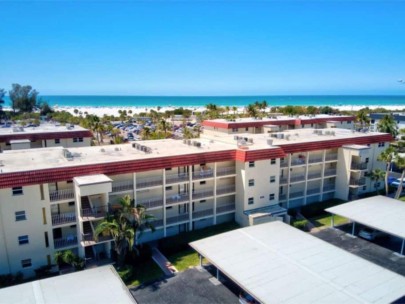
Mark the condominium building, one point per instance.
(277, 123)
(42, 136)
(52, 199)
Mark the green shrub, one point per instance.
(301, 224)
(317, 209)
(11, 279)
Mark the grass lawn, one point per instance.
(325, 220)
(144, 272)
(185, 259)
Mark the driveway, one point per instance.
(381, 252)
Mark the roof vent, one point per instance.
(269, 142)
(102, 150)
(116, 149)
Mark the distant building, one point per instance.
(52, 199)
(376, 117)
(43, 136)
(276, 123)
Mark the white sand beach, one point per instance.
(100, 111)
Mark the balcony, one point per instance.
(225, 171)
(358, 166)
(177, 219)
(151, 202)
(332, 156)
(203, 174)
(157, 223)
(61, 195)
(176, 178)
(177, 198)
(203, 193)
(283, 163)
(315, 159)
(313, 191)
(149, 182)
(297, 177)
(203, 213)
(120, 186)
(312, 175)
(297, 162)
(327, 188)
(296, 194)
(357, 181)
(225, 189)
(65, 242)
(95, 212)
(63, 218)
(283, 180)
(89, 237)
(329, 172)
(282, 197)
(226, 208)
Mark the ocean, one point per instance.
(201, 101)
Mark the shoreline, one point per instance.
(113, 110)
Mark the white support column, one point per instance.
(306, 177)
(353, 228)
(200, 256)
(215, 193)
(402, 246)
(190, 198)
(135, 193)
(323, 167)
(332, 221)
(164, 203)
(217, 274)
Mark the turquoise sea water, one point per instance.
(200, 101)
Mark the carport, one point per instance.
(378, 212)
(276, 263)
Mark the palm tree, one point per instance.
(400, 164)
(122, 233)
(252, 110)
(387, 156)
(146, 133)
(377, 175)
(163, 125)
(388, 125)
(263, 106)
(234, 109)
(362, 118)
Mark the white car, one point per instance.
(397, 182)
(370, 234)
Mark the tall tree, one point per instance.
(362, 118)
(377, 175)
(23, 98)
(2, 101)
(251, 110)
(400, 164)
(388, 125)
(387, 156)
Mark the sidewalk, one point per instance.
(164, 264)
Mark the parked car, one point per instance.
(370, 234)
(397, 182)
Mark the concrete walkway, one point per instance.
(164, 264)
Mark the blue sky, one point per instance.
(203, 47)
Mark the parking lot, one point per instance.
(381, 251)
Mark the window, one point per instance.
(203, 183)
(364, 188)
(46, 239)
(203, 201)
(251, 201)
(251, 182)
(246, 129)
(272, 161)
(26, 263)
(234, 129)
(168, 169)
(377, 184)
(381, 144)
(78, 139)
(71, 203)
(18, 191)
(169, 188)
(251, 164)
(57, 141)
(367, 160)
(20, 216)
(170, 207)
(272, 179)
(271, 197)
(23, 239)
(349, 122)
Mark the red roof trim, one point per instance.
(33, 177)
(260, 123)
(45, 135)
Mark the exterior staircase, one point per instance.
(87, 232)
(86, 207)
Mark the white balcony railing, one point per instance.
(203, 193)
(60, 195)
(120, 186)
(175, 178)
(226, 208)
(225, 189)
(65, 242)
(149, 182)
(221, 171)
(63, 218)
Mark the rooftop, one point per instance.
(42, 128)
(277, 263)
(99, 285)
(277, 117)
(58, 157)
